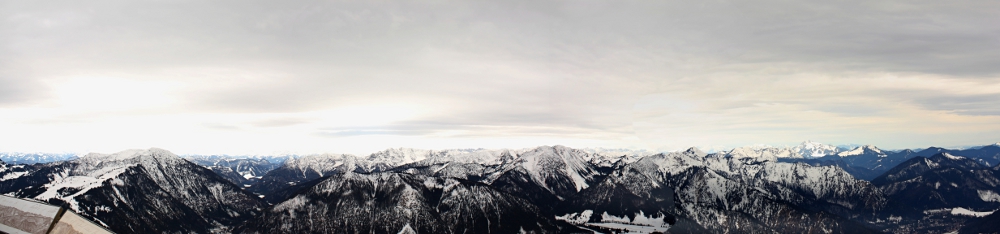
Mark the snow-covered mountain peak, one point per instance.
(320, 162)
(105, 162)
(547, 162)
(816, 149)
(863, 150)
(399, 156)
(695, 151)
(763, 153)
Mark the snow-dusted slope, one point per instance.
(546, 174)
(137, 191)
(12, 172)
(401, 203)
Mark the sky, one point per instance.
(247, 77)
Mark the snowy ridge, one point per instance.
(609, 157)
(393, 157)
(952, 157)
(816, 149)
(763, 153)
(863, 150)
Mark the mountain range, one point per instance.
(810, 188)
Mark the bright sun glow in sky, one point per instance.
(198, 77)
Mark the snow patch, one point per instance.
(13, 175)
(577, 218)
(630, 228)
(953, 157)
(989, 196)
(967, 212)
(406, 230)
(640, 219)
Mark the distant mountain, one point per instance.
(763, 153)
(32, 158)
(402, 203)
(211, 159)
(545, 175)
(811, 149)
(988, 155)
(938, 193)
(395, 157)
(867, 162)
(808, 149)
(139, 191)
(302, 170)
(240, 171)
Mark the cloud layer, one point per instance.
(358, 76)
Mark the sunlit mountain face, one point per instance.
(547, 189)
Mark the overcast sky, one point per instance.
(236, 77)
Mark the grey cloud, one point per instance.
(979, 104)
(578, 65)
